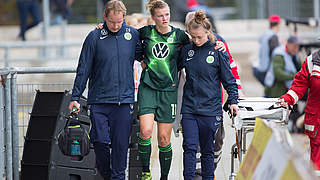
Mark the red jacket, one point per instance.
(307, 78)
(234, 67)
(233, 64)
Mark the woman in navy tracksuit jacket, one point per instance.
(201, 109)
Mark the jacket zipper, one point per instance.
(118, 72)
(196, 86)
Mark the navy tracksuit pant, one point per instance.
(199, 129)
(26, 7)
(111, 124)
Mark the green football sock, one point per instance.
(165, 156)
(144, 147)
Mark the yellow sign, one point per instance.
(262, 134)
(268, 157)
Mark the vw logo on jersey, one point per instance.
(210, 59)
(160, 50)
(127, 36)
(191, 53)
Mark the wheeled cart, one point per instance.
(250, 109)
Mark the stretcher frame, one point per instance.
(250, 109)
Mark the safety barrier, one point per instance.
(14, 116)
(16, 101)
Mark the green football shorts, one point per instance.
(160, 103)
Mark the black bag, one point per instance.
(74, 140)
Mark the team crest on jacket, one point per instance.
(191, 53)
(210, 59)
(104, 32)
(127, 36)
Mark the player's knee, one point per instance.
(145, 133)
(164, 141)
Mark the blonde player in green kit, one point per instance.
(157, 95)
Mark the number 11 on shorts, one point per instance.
(173, 110)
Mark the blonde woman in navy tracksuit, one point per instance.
(201, 109)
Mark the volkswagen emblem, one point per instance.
(160, 50)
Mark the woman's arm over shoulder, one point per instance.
(182, 57)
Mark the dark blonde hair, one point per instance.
(116, 6)
(156, 4)
(200, 20)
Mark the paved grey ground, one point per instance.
(223, 170)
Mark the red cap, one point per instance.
(191, 3)
(274, 18)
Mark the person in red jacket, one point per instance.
(308, 78)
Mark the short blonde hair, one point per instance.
(116, 6)
(156, 4)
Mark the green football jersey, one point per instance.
(161, 53)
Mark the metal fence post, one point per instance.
(260, 9)
(100, 11)
(8, 132)
(61, 51)
(316, 8)
(244, 9)
(6, 57)
(46, 24)
(63, 37)
(143, 7)
(15, 130)
(316, 11)
(2, 120)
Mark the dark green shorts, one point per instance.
(160, 103)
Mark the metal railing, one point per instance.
(42, 50)
(9, 113)
(61, 45)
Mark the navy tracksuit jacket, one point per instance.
(201, 109)
(106, 60)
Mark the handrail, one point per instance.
(36, 70)
(30, 44)
(7, 46)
